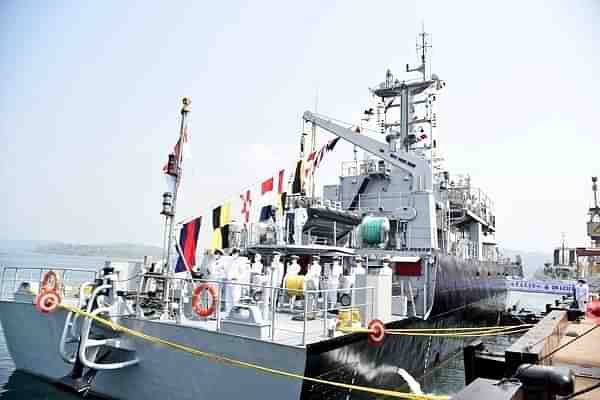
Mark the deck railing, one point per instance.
(293, 316)
(70, 279)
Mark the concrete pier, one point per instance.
(559, 349)
(582, 357)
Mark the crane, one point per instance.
(419, 169)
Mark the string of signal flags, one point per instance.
(265, 198)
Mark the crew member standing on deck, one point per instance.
(582, 293)
(233, 290)
(216, 268)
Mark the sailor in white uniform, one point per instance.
(334, 281)
(233, 291)
(274, 276)
(257, 265)
(358, 268)
(293, 268)
(244, 270)
(313, 276)
(276, 270)
(216, 269)
(582, 293)
(314, 272)
(256, 277)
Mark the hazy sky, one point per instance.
(90, 94)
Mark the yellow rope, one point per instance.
(243, 364)
(459, 335)
(469, 329)
(449, 332)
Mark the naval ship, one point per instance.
(564, 264)
(398, 241)
(574, 263)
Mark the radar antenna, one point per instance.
(422, 46)
(595, 190)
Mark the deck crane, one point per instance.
(419, 169)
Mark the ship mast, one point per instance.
(170, 199)
(594, 213)
(422, 46)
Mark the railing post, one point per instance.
(14, 289)
(426, 285)
(2, 283)
(334, 233)
(63, 281)
(275, 292)
(325, 307)
(219, 291)
(304, 319)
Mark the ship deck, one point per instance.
(288, 331)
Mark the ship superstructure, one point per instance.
(397, 206)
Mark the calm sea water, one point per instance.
(450, 377)
(15, 385)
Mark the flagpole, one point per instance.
(185, 109)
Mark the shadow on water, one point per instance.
(24, 386)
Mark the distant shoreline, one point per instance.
(120, 250)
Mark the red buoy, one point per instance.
(593, 311)
(47, 301)
(376, 332)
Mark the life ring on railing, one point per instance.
(47, 301)
(48, 277)
(197, 304)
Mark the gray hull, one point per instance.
(467, 294)
(162, 373)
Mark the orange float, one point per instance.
(197, 306)
(48, 277)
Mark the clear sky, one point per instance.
(90, 94)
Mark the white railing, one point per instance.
(366, 167)
(474, 200)
(294, 316)
(11, 279)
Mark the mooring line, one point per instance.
(226, 360)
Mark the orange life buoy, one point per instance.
(47, 301)
(48, 277)
(197, 304)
